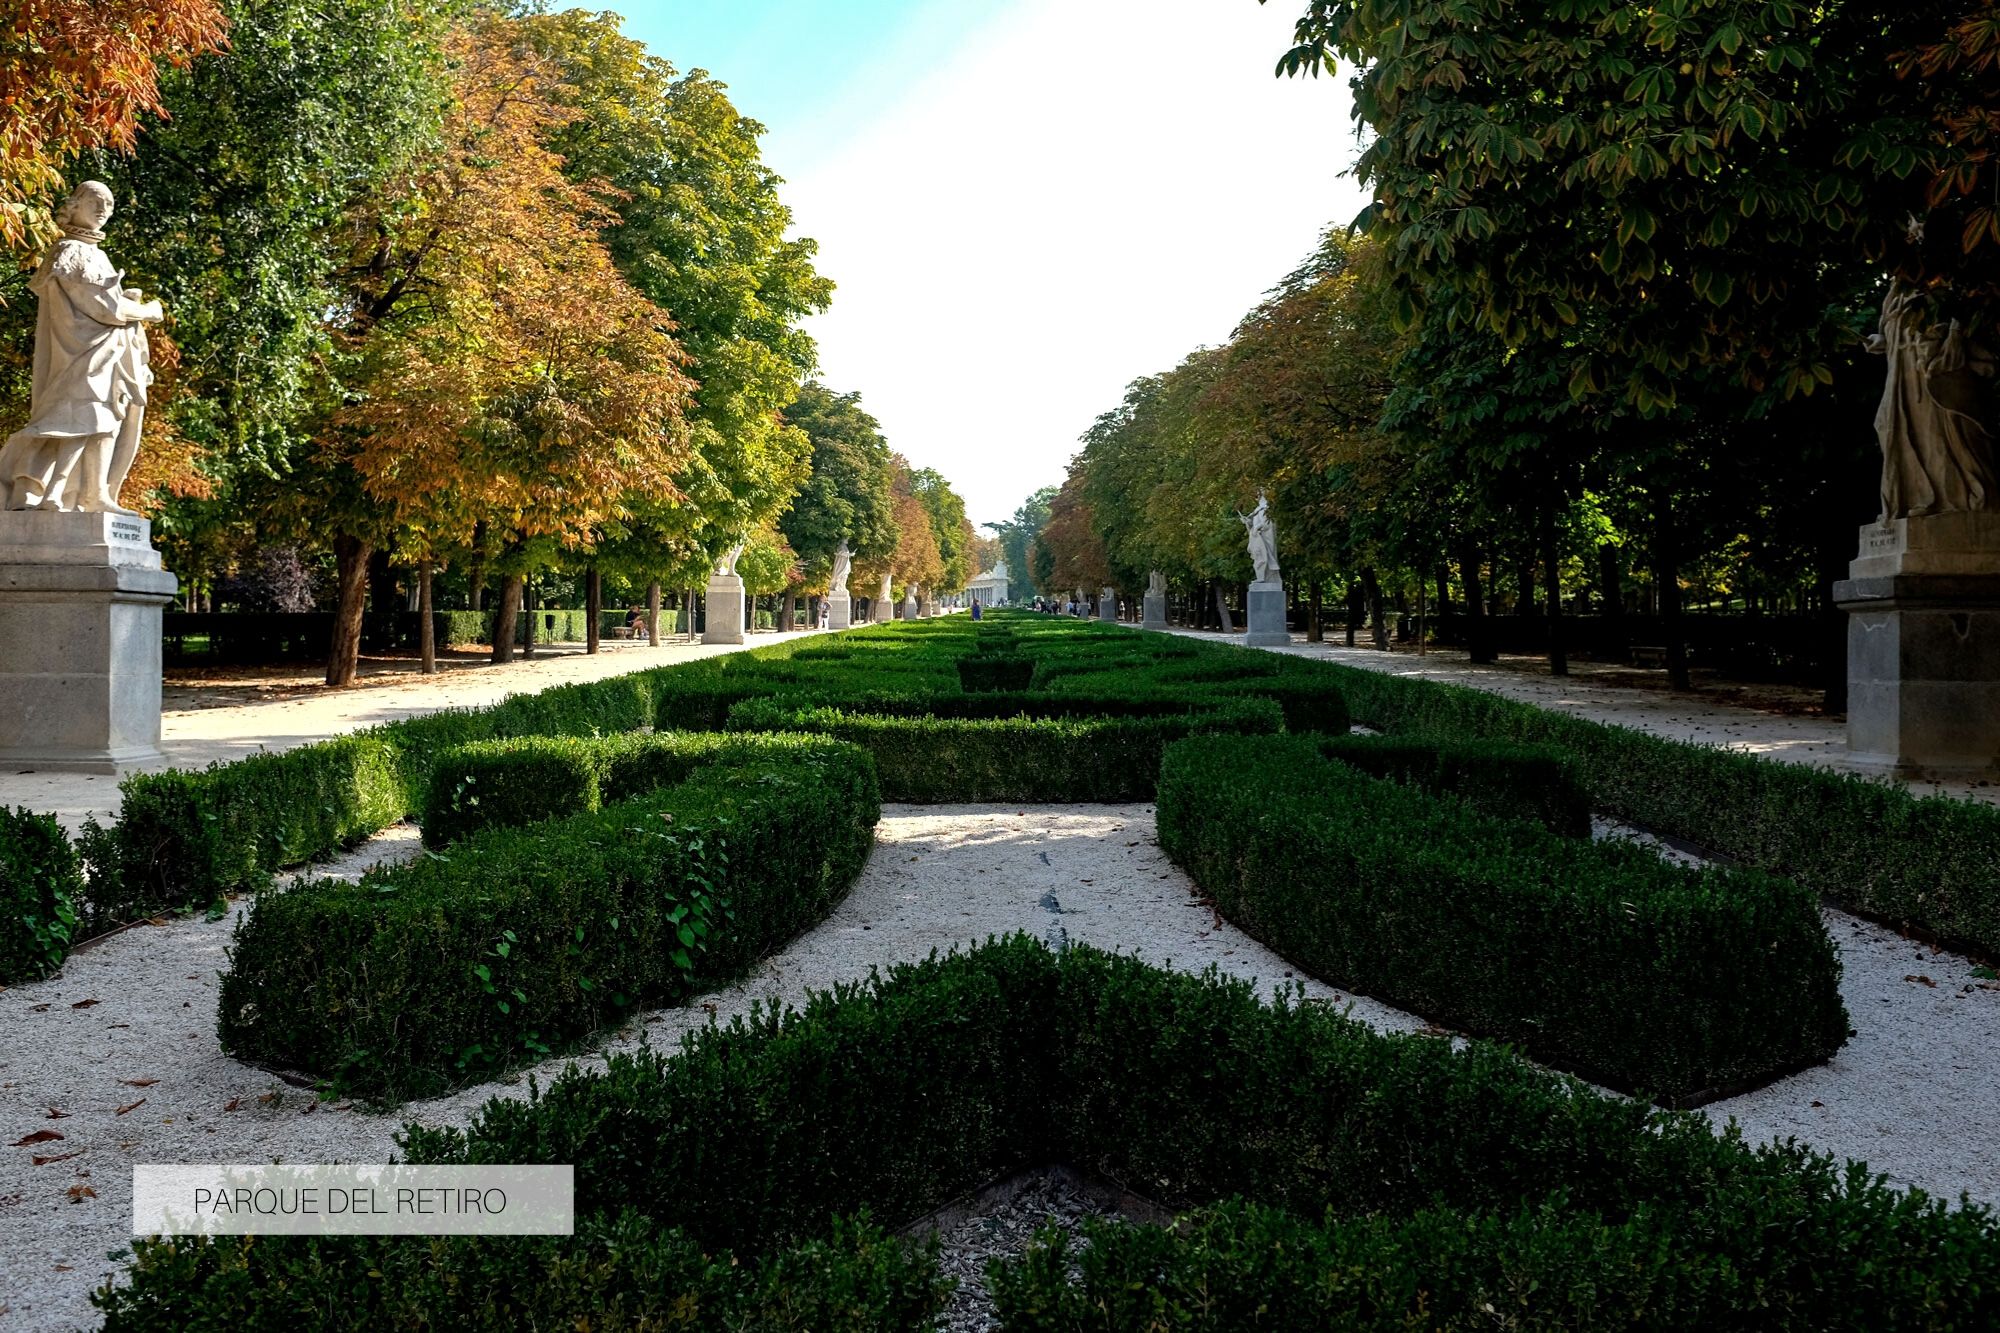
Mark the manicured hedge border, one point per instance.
(520, 940)
(1496, 778)
(1079, 754)
(41, 884)
(1930, 863)
(902, 1094)
(1599, 958)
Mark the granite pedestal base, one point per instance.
(1155, 611)
(1923, 647)
(725, 609)
(1265, 616)
(839, 611)
(81, 597)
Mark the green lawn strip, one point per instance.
(1598, 958)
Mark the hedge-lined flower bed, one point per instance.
(900, 1095)
(1598, 958)
(522, 939)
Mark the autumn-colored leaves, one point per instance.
(77, 74)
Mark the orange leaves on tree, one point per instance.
(77, 74)
(512, 375)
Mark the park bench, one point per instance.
(1649, 655)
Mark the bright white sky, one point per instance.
(1028, 203)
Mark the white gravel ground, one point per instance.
(121, 1046)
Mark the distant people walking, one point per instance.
(975, 608)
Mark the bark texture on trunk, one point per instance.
(427, 643)
(1476, 642)
(653, 613)
(1222, 610)
(1315, 600)
(351, 560)
(1552, 583)
(593, 607)
(1667, 575)
(1378, 625)
(507, 618)
(528, 622)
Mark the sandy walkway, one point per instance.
(131, 1024)
(196, 736)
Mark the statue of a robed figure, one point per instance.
(82, 590)
(1923, 593)
(91, 373)
(1264, 602)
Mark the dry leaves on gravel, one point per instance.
(39, 1136)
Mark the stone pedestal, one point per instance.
(1155, 611)
(1265, 616)
(725, 609)
(882, 607)
(81, 597)
(908, 610)
(1923, 647)
(839, 611)
(1107, 604)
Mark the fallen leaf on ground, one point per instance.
(138, 1082)
(59, 1157)
(131, 1106)
(85, 1004)
(39, 1136)
(78, 1193)
(38, 1008)
(55, 1114)
(1921, 980)
(267, 1098)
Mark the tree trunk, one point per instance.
(1610, 580)
(1222, 615)
(1423, 606)
(427, 643)
(1371, 591)
(1315, 597)
(653, 613)
(1667, 575)
(1476, 643)
(506, 619)
(1357, 608)
(1443, 607)
(1552, 582)
(351, 559)
(1524, 605)
(528, 619)
(593, 608)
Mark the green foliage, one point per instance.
(41, 887)
(848, 495)
(1871, 847)
(521, 940)
(903, 1093)
(1598, 958)
(614, 1273)
(1497, 778)
(508, 784)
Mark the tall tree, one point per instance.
(849, 493)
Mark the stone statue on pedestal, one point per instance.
(1263, 540)
(1936, 422)
(725, 565)
(90, 373)
(843, 561)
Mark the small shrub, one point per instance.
(41, 885)
(1495, 778)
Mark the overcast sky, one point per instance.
(1026, 203)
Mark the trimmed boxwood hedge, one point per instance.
(901, 1094)
(520, 940)
(1494, 777)
(1599, 958)
(41, 883)
(1072, 750)
(1931, 863)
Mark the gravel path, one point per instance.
(122, 1044)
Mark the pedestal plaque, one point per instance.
(1923, 647)
(839, 611)
(1265, 616)
(81, 596)
(725, 609)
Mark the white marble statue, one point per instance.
(725, 566)
(1935, 423)
(1263, 540)
(90, 373)
(843, 561)
(1156, 584)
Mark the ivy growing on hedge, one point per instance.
(1470, 1183)
(1599, 958)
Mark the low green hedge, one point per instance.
(1597, 958)
(521, 940)
(41, 885)
(615, 1273)
(1932, 863)
(1080, 754)
(901, 1094)
(1496, 778)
